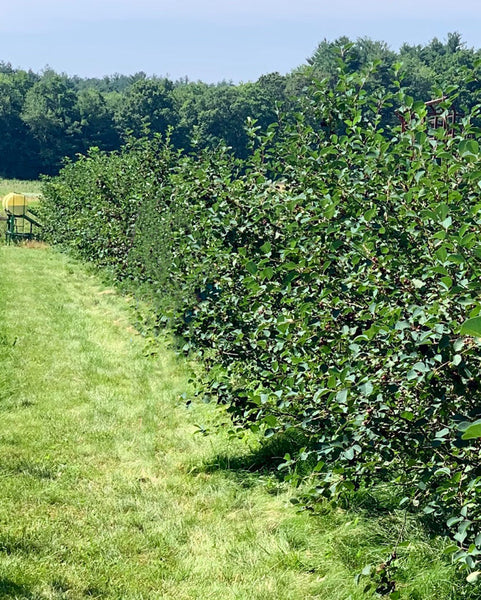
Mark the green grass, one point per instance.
(108, 492)
(20, 186)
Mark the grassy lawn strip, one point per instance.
(107, 493)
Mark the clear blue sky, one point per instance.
(212, 40)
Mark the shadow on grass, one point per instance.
(263, 461)
(10, 545)
(380, 499)
(31, 468)
(10, 589)
(383, 501)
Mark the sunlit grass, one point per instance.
(108, 492)
(20, 186)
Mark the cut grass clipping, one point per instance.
(106, 491)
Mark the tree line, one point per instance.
(47, 116)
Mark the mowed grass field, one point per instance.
(107, 491)
(19, 185)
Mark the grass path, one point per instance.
(104, 488)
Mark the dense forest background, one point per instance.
(48, 116)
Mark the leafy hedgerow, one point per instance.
(324, 282)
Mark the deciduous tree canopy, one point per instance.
(45, 117)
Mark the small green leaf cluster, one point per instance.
(323, 281)
(95, 207)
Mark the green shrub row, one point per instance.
(323, 282)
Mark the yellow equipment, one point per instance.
(20, 222)
(15, 204)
